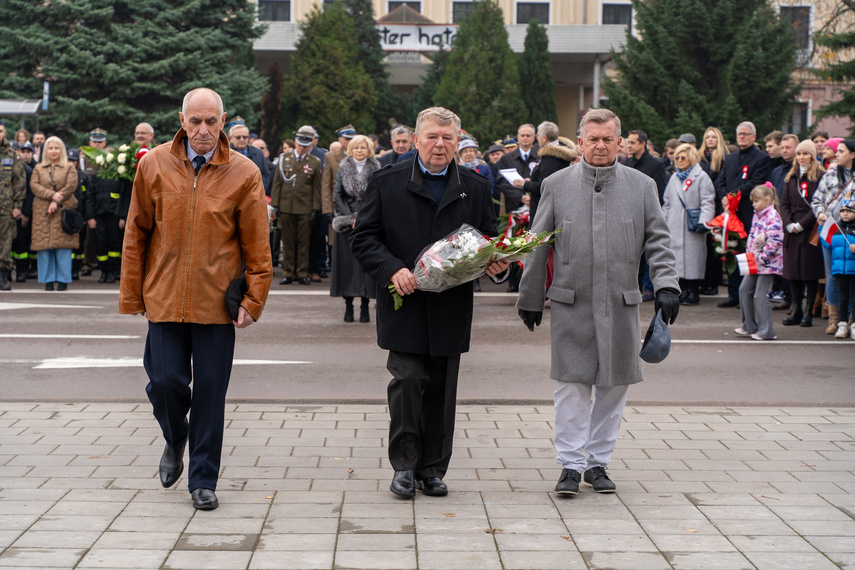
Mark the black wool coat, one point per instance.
(802, 261)
(652, 167)
(513, 159)
(398, 218)
(730, 179)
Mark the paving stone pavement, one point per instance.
(306, 486)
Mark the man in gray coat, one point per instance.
(609, 215)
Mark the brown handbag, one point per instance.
(814, 235)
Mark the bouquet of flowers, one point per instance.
(116, 165)
(464, 255)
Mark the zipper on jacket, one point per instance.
(189, 247)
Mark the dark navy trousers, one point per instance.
(176, 356)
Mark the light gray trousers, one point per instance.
(752, 297)
(586, 427)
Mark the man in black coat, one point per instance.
(643, 161)
(740, 173)
(239, 139)
(405, 208)
(402, 144)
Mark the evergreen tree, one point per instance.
(423, 94)
(272, 118)
(839, 70)
(481, 82)
(328, 86)
(536, 75)
(389, 103)
(700, 63)
(115, 63)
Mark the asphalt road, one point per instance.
(73, 346)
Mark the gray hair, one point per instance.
(190, 95)
(147, 126)
(600, 117)
(440, 116)
(749, 125)
(238, 126)
(549, 130)
(400, 130)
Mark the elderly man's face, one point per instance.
(239, 137)
(203, 122)
(744, 137)
(143, 134)
(259, 143)
(525, 136)
(600, 144)
(401, 143)
(436, 145)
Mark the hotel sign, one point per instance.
(416, 37)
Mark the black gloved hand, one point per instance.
(669, 302)
(328, 218)
(313, 217)
(531, 318)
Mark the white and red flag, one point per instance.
(828, 230)
(747, 263)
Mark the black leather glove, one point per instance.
(669, 302)
(328, 218)
(313, 217)
(531, 318)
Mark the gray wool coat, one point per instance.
(608, 217)
(690, 248)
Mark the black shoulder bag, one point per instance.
(71, 221)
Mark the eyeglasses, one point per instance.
(744, 134)
(142, 133)
(682, 158)
(240, 137)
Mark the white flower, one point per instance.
(122, 158)
(121, 169)
(110, 157)
(99, 160)
(719, 250)
(731, 243)
(123, 148)
(519, 242)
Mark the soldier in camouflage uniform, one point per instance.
(11, 199)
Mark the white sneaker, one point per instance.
(741, 332)
(852, 331)
(842, 330)
(756, 336)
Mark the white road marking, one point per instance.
(751, 341)
(128, 362)
(74, 336)
(10, 306)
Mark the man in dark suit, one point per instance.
(239, 140)
(741, 172)
(405, 208)
(402, 144)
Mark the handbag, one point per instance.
(71, 221)
(693, 218)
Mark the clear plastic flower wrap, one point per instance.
(464, 255)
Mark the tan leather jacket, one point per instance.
(187, 237)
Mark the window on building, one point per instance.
(798, 18)
(460, 11)
(618, 14)
(417, 6)
(274, 10)
(528, 10)
(798, 119)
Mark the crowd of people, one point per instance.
(315, 193)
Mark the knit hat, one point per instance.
(807, 146)
(834, 143)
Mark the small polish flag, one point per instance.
(828, 231)
(747, 263)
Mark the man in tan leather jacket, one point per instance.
(198, 216)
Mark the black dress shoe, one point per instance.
(785, 306)
(111, 277)
(404, 484)
(49, 286)
(304, 281)
(794, 319)
(75, 276)
(172, 464)
(729, 302)
(286, 281)
(323, 275)
(86, 272)
(709, 291)
(60, 286)
(568, 483)
(103, 278)
(20, 278)
(434, 487)
(597, 478)
(204, 499)
(807, 321)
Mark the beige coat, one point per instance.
(47, 229)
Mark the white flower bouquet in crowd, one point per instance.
(464, 255)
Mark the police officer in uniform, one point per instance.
(11, 199)
(97, 139)
(21, 244)
(296, 195)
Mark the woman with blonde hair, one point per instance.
(803, 262)
(53, 182)
(689, 189)
(713, 150)
(349, 280)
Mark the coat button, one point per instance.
(432, 203)
(598, 189)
